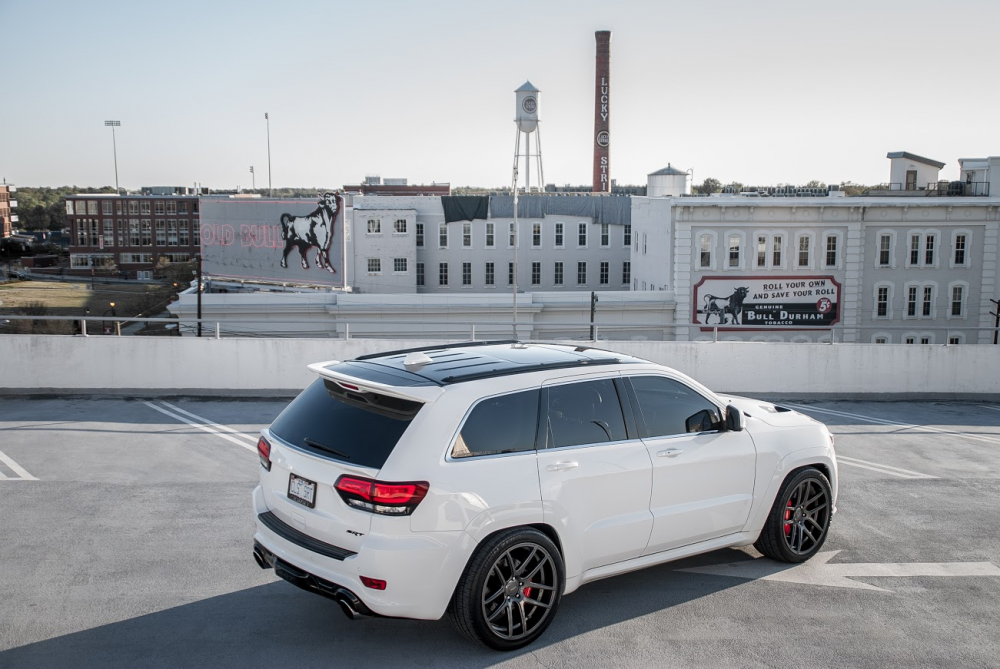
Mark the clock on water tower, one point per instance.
(526, 111)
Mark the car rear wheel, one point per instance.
(799, 521)
(510, 590)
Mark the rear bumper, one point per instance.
(421, 570)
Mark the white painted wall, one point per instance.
(926, 174)
(149, 366)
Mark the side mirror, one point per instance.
(735, 421)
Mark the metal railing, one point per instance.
(933, 189)
(408, 329)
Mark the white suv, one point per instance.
(487, 480)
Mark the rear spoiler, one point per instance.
(417, 393)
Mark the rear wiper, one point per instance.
(323, 447)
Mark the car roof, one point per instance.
(456, 363)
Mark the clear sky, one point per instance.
(758, 92)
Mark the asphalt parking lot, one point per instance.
(125, 540)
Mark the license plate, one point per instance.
(302, 491)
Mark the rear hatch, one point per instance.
(335, 427)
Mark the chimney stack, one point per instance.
(602, 113)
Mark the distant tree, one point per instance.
(45, 208)
(709, 186)
(852, 189)
(815, 184)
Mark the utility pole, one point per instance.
(268, 120)
(199, 294)
(514, 282)
(114, 144)
(253, 179)
(593, 310)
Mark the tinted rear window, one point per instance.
(359, 428)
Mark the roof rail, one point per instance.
(438, 347)
(524, 369)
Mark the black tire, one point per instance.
(799, 521)
(510, 590)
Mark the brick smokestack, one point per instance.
(602, 113)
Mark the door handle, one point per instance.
(670, 453)
(560, 466)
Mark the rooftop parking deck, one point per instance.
(126, 538)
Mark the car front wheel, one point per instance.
(800, 518)
(510, 590)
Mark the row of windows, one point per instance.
(917, 338)
(558, 273)
(770, 250)
(399, 226)
(106, 260)
(585, 413)
(137, 232)
(922, 248)
(559, 234)
(126, 207)
(920, 300)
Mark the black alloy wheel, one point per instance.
(510, 590)
(799, 521)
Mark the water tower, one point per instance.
(526, 118)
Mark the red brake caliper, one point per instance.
(788, 516)
(527, 592)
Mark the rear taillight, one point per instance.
(388, 499)
(264, 451)
(373, 583)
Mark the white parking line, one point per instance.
(208, 426)
(983, 406)
(882, 469)
(905, 426)
(22, 474)
(205, 421)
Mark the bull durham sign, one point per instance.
(287, 241)
(799, 302)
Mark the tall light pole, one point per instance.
(114, 144)
(268, 120)
(253, 178)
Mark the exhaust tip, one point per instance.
(348, 609)
(352, 607)
(258, 557)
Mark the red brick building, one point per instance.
(114, 234)
(374, 185)
(7, 219)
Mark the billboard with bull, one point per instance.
(799, 302)
(287, 241)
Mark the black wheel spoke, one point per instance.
(806, 531)
(496, 614)
(536, 602)
(493, 597)
(524, 617)
(819, 495)
(537, 568)
(813, 512)
(524, 565)
(540, 586)
(818, 526)
(510, 621)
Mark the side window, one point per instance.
(669, 407)
(504, 424)
(583, 413)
